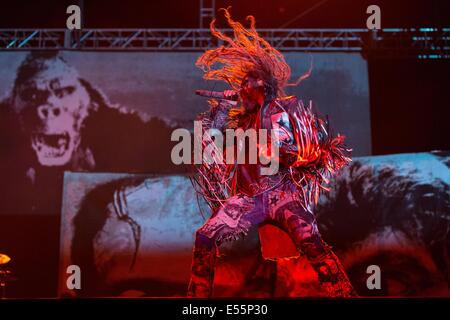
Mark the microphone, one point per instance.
(217, 95)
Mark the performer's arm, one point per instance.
(298, 133)
(218, 113)
(285, 128)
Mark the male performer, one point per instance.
(239, 195)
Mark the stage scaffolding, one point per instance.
(415, 42)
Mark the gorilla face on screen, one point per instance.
(52, 105)
(55, 121)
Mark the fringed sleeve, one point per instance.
(213, 180)
(315, 155)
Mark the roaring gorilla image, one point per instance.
(55, 121)
(52, 105)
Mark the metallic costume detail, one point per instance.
(282, 128)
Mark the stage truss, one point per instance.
(415, 42)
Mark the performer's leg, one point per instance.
(235, 218)
(202, 270)
(302, 227)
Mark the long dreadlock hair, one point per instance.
(246, 54)
(318, 155)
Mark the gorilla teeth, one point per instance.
(51, 145)
(53, 140)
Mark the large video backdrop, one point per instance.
(115, 112)
(108, 115)
(162, 84)
(87, 179)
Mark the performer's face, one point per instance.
(252, 93)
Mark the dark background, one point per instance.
(184, 14)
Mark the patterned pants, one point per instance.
(280, 207)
